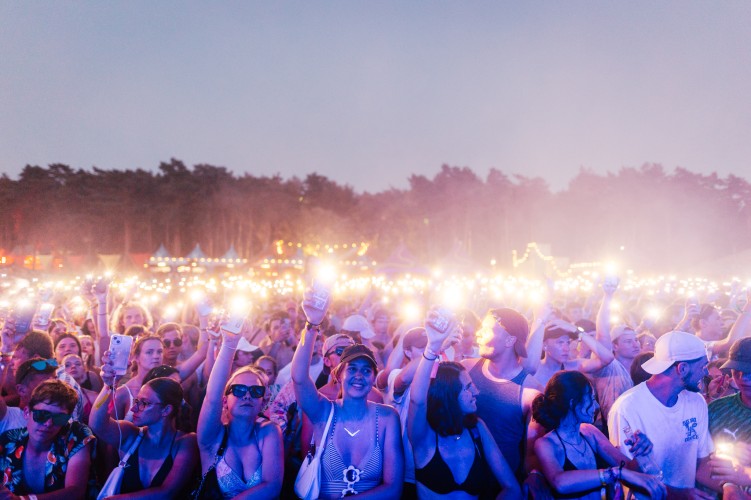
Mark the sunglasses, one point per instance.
(58, 419)
(338, 350)
(170, 343)
(239, 391)
(43, 364)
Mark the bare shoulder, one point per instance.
(268, 428)
(385, 411)
(187, 439)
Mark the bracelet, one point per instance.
(431, 352)
(7, 354)
(601, 473)
(310, 326)
(611, 475)
(429, 359)
(228, 347)
(620, 470)
(535, 471)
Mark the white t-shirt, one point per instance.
(680, 434)
(285, 374)
(13, 419)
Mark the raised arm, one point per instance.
(209, 428)
(418, 428)
(738, 330)
(101, 321)
(602, 323)
(534, 343)
(100, 421)
(190, 365)
(315, 406)
(602, 355)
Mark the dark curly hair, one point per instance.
(445, 416)
(54, 392)
(563, 392)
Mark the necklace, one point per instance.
(574, 446)
(352, 434)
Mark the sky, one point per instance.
(368, 93)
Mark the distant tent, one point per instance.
(161, 253)
(401, 261)
(231, 253)
(110, 261)
(196, 253)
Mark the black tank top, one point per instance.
(437, 476)
(131, 482)
(568, 465)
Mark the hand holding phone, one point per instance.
(120, 346)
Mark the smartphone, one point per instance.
(23, 316)
(120, 346)
(321, 295)
(234, 323)
(44, 314)
(440, 320)
(204, 307)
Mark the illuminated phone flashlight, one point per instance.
(726, 451)
(654, 313)
(411, 311)
(453, 297)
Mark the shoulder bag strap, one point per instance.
(132, 448)
(325, 434)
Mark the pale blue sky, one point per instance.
(369, 92)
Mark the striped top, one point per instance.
(340, 479)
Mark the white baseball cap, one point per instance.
(674, 346)
(360, 324)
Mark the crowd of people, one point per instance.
(559, 400)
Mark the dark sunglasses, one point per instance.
(58, 419)
(338, 350)
(169, 343)
(240, 390)
(43, 364)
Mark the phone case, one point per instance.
(120, 346)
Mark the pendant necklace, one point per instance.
(352, 434)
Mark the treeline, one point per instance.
(647, 216)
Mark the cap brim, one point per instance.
(358, 356)
(655, 366)
(367, 334)
(740, 366)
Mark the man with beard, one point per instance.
(670, 410)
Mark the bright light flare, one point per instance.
(326, 273)
(411, 311)
(239, 305)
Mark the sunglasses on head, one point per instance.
(240, 390)
(338, 350)
(43, 364)
(170, 343)
(58, 419)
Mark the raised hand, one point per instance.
(310, 302)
